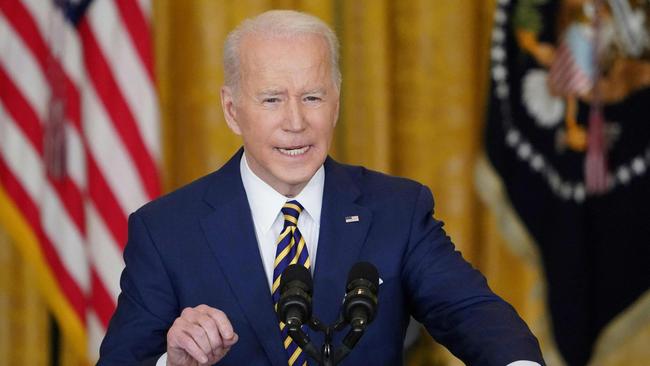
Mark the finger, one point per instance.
(222, 352)
(203, 318)
(218, 354)
(187, 343)
(211, 329)
(229, 343)
(225, 328)
(200, 337)
(200, 316)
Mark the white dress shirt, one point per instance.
(266, 204)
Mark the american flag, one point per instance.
(572, 70)
(79, 146)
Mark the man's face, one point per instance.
(285, 109)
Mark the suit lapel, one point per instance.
(231, 234)
(339, 242)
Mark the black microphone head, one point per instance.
(360, 302)
(296, 272)
(366, 271)
(294, 306)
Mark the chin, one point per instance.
(298, 177)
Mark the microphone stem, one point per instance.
(327, 347)
(303, 341)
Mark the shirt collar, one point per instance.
(266, 203)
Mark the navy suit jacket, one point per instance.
(197, 245)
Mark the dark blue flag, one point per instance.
(571, 80)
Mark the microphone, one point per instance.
(360, 302)
(359, 305)
(294, 306)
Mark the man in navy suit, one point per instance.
(198, 280)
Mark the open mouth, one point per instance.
(294, 151)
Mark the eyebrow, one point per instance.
(270, 92)
(275, 92)
(316, 91)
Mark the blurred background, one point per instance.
(138, 82)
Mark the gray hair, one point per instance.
(277, 23)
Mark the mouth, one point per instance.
(293, 151)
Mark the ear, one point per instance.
(229, 109)
(338, 104)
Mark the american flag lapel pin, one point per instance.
(349, 219)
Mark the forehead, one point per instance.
(301, 57)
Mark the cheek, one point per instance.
(263, 124)
(255, 131)
(323, 120)
(326, 128)
(256, 139)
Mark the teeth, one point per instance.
(294, 152)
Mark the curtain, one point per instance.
(24, 320)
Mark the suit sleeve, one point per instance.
(146, 306)
(454, 302)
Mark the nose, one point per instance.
(294, 119)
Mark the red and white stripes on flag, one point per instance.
(572, 70)
(79, 145)
(565, 76)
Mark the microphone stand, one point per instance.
(350, 340)
(327, 356)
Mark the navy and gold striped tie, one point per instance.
(291, 249)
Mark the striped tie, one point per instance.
(291, 249)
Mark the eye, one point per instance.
(312, 98)
(270, 100)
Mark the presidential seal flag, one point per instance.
(79, 147)
(568, 136)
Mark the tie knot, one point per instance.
(291, 210)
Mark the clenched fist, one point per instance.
(200, 336)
